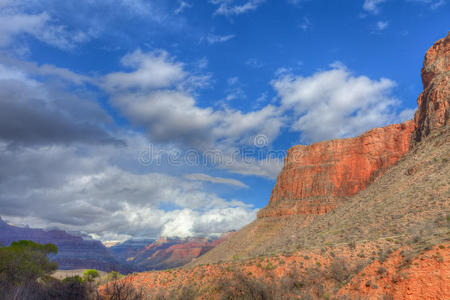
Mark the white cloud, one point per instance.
(220, 180)
(15, 22)
(235, 89)
(372, 6)
(214, 39)
(172, 116)
(53, 22)
(84, 191)
(34, 69)
(13, 25)
(231, 8)
(156, 95)
(382, 25)
(91, 180)
(335, 103)
(152, 70)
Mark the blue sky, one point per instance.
(140, 118)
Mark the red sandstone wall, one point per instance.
(433, 103)
(318, 175)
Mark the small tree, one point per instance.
(25, 261)
(90, 274)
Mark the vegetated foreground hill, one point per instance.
(164, 253)
(73, 251)
(378, 233)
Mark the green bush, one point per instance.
(90, 275)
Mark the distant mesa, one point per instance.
(164, 253)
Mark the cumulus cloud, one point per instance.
(156, 95)
(234, 8)
(152, 70)
(335, 103)
(82, 190)
(220, 180)
(32, 114)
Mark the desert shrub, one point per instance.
(90, 275)
(381, 271)
(188, 292)
(339, 269)
(241, 286)
(352, 245)
(119, 290)
(71, 288)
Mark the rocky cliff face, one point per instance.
(316, 178)
(433, 103)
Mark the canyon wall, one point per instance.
(316, 178)
(433, 103)
(166, 252)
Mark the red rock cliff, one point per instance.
(316, 177)
(433, 103)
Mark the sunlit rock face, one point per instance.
(433, 103)
(317, 177)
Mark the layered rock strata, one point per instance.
(434, 102)
(317, 177)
